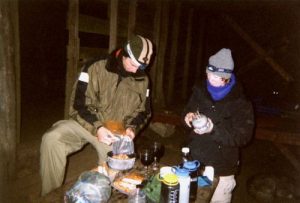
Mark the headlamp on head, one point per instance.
(220, 70)
(140, 65)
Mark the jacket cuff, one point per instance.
(97, 125)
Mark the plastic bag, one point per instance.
(91, 187)
(153, 189)
(124, 145)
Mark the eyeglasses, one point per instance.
(215, 69)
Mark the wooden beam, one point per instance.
(160, 34)
(15, 27)
(92, 24)
(278, 136)
(7, 99)
(156, 40)
(113, 25)
(131, 18)
(258, 49)
(72, 51)
(99, 26)
(200, 45)
(173, 50)
(188, 44)
(255, 61)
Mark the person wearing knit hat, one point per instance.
(229, 123)
(109, 91)
(139, 49)
(221, 63)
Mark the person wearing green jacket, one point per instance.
(115, 88)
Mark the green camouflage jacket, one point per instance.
(105, 91)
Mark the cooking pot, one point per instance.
(120, 164)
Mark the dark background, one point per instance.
(274, 25)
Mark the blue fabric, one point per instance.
(218, 93)
(203, 181)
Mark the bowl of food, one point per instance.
(120, 162)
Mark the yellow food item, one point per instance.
(133, 178)
(120, 156)
(128, 182)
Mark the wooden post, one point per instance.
(7, 99)
(156, 40)
(113, 25)
(161, 36)
(72, 51)
(258, 49)
(173, 55)
(15, 20)
(186, 66)
(131, 18)
(199, 57)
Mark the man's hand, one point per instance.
(206, 129)
(130, 133)
(188, 118)
(104, 135)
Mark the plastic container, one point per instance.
(192, 167)
(138, 197)
(169, 189)
(184, 184)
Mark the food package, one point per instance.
(116, 127)
(127, 184)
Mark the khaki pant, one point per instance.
(219, 192)
(204, 194)
(62, 139)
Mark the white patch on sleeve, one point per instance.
(84, 77)
(147, 93)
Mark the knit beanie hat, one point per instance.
(139, 50)
(221, 63)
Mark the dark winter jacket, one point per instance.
(105, 91)
(233, 121)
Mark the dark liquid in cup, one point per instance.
(146, 159)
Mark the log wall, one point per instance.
(8, 105)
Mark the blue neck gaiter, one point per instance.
(218, 93)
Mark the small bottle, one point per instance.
(138, 197)
(186, 154)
